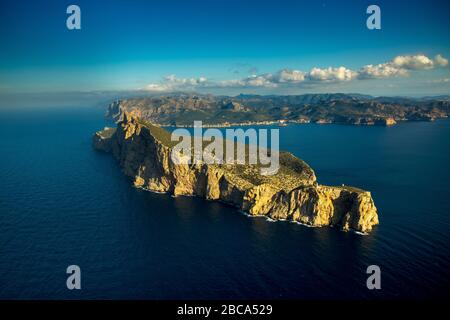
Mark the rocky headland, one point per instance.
(143, 151)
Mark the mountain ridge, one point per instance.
(181, 109)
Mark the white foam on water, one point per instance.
(150, 190)
(303, 224)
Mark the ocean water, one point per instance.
(63, 203)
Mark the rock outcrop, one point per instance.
(144, 152)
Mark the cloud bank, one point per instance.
(400, 66)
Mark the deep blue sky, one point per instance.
(130, 44)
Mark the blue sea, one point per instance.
(63, 203)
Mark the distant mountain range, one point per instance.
(182, 109)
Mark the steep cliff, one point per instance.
(144, 152)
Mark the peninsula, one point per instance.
(143, 151)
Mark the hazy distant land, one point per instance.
(183, 109)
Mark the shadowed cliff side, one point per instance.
(144, 152)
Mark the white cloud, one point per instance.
(331, 74)
(157, 87)
(401, 65)
(383, 70)
(440, 61)
(417, 62)
(287, 75)
(251, 81)
(173, 83)
(173, 80)
(260, 81)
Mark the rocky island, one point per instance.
(143, 151)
